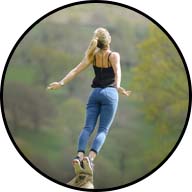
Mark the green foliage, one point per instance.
(26, 107)
(160, 82)
(19, 73)
(72, 117)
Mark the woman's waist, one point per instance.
(103, 84)
(103, 94)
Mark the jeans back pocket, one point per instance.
(111, 93)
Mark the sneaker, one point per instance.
(78, 165)
(88, 165)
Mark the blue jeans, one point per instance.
(103, 102)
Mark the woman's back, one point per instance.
(104, 74)
(102, 59)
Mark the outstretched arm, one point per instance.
(71, 75)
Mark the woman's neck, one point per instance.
(105, 49)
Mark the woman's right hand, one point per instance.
(54, 85)
(122, 91)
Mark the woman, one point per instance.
(103, 99)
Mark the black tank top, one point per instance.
(104, 77)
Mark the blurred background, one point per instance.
(46, 124)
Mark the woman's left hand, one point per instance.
(122, 91)
(54, 85)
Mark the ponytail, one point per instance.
(89, 54)
(101, 39)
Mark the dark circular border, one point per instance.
(100, 2)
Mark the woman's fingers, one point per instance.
(54, 85)
(50, 88)
(127, 93)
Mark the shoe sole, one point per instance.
(87, 164)
(77, 167)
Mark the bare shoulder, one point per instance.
(115, 55)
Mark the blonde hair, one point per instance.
(101, 39)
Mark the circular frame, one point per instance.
(100, 2)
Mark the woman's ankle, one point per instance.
(92, 155)
(80, 155)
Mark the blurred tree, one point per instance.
(48, 62)
(160, 82)
(26, 107)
